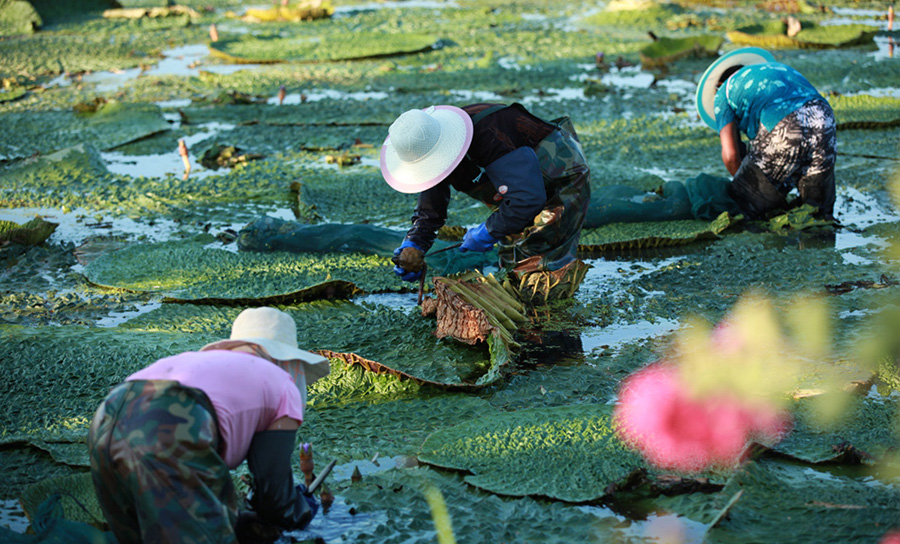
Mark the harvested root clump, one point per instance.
(471, 307)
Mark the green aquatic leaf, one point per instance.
(865, 111)
(652, 234)
(771, 34)
(349, 46)
(666, 50)
(866, 430)
(822, 507)
(55, 377)
(188, 271)
(32, 233)
(569, 453)
(18, 17)
(77, 496)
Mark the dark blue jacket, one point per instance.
(501, 169)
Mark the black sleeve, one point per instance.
(430, 215)
(275, 498)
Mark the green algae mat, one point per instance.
(568, 453)
(327, 48)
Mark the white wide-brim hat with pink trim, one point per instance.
(706, 89)
(424, 146)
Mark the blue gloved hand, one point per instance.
(310, 500)
(478, 239)
(400, 262)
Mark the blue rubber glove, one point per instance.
(478, 239)
(404, 274)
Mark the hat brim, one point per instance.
(706, 89)
(314, 365)
(454, 141)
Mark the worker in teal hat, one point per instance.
(790, 126)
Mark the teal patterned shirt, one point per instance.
(761, 94)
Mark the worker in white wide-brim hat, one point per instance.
(790, 125)
(531, 173)
(163, 442)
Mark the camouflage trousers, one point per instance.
(155, 465)
(551, 243)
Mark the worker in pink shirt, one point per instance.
(163, 442)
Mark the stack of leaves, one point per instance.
(471, 307)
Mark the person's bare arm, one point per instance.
(731, 147)
(284, 424)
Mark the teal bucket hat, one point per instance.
(706, 89)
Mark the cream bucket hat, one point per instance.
(275, 332)
(424, 146)
(706, 89)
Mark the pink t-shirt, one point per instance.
(247, 392)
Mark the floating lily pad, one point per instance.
(118, 123)
(771, 35)
(18, 17)
(31, 233)
(55, 377)
(569, 453)
(667, 50)
(11, 94)
(348, 46)
(865, 431)
(76, 494)
(187, 271)
(111, 126)
(652, 234)
(865, 111)
(822, 507)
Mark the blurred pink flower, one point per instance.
(892, 537)
(673, 430)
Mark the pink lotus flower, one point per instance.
(658, 416)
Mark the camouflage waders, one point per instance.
(155, 465)
(544, 256)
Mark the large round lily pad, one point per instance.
(347, 46)
(865, 431)
(771, 35)
(865, 111)
(569, 453)
(652, 234)
(188, 271)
